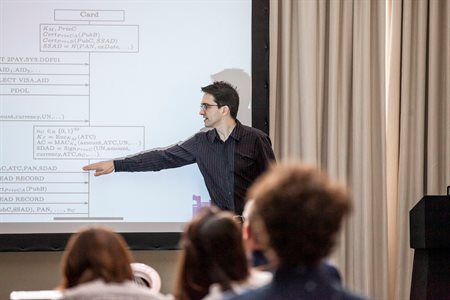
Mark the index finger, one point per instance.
(91, 167)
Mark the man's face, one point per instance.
(212, 114)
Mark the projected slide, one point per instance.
(85, 81)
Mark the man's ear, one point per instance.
(246, 231)
(226, 110)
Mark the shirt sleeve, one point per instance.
(181, 154)
(266, 155)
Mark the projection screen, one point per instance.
(85, 81)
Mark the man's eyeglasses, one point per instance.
(205, 106)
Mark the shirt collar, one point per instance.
(235, 134)
(237, 131)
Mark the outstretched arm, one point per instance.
(100, 168)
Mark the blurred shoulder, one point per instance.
(99, 290)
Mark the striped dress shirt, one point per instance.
(228, 167)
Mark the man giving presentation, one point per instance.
(230, 155)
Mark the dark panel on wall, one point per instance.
(58, 241)
(260, 64)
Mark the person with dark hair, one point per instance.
(96, 265)
(254, 249)
(213, 260)
(230, 155)
(297, 212)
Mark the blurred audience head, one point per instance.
(253, 247)
(213, 253)
(251, 239)
(297, 212)
(96, 253)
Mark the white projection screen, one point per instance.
(85, 81)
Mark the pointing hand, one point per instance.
(100, 168)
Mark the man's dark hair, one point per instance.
(299, 210)
(224, 95)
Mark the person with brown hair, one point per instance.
(254, 249)
(96, 265)
(213, 260)
(297, 212)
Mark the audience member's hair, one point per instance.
(96, 253)
(213, 252)
(300, 210)
(225, 95)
